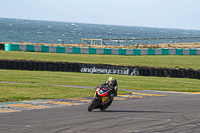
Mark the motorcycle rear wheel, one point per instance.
(103, 109)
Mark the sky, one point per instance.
(178, 14)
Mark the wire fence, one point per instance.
(140, 41)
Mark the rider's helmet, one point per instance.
(110, 79)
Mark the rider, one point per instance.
(112, 85)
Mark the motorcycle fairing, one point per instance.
(104, 100)
(103, 91)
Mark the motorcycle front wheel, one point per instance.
(92, 104)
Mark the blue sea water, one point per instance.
(35, 31)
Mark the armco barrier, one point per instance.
(109, 51)
(98, 68)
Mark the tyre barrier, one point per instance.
(99, 68)
(1, 46)
(109, 51)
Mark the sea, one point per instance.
(52, 32)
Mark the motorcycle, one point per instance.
(101, 99)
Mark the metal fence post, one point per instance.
(133, 41)
(142, 41)
(181, 41)
(118, 42)
(157, 40)
(149, 41)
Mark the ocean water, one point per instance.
(35, 31)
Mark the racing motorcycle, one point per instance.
(101, 99)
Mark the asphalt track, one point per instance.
(172, 113)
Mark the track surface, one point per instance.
(173, 113)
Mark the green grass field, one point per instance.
(165, 61)
(16, 92)
(93, 80)
(19, 92)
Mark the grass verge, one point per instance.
(85, 79)
(20, 92)
(164, 61)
